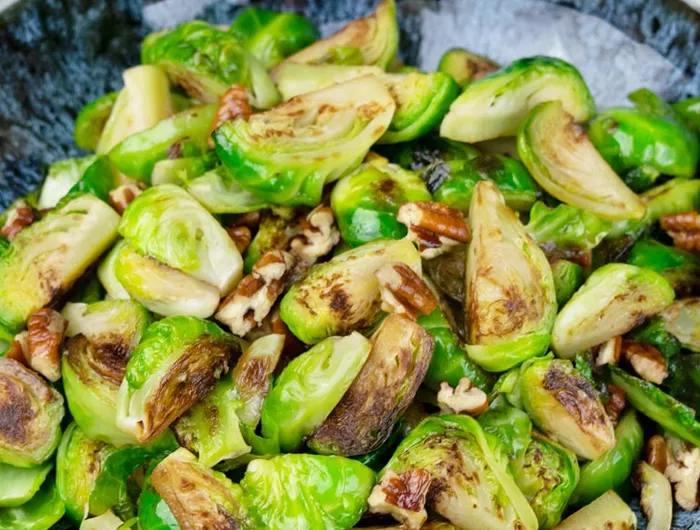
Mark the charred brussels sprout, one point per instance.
(31, 414)
(464, 66)
(61, 178)
(447, 272)
(343, 293)
(42, 512)
(510, 425)
(206, 61)
(560, 157)
(92, 119)
(287, 154)
(310, 387)
(46, 258)
(272, 36)
(365, 203)
(682, 319)
(400, 354)
(568, 277)
(680, 268)
(510, 298)
(614, 299)
(608, 511)
(219, 193)
(175, 365)
(565, 406)
(21, 483)
(495, 105)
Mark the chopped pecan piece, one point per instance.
(684, 228)
(402, 496)
(121, 197)
(241, 237)
(645, 360)
(656, 453)
(18, 349)
(248, 219)
(233, 104)
(616, 403)
(403, 291)
(319, 235)
(45, 329)
(434, 227)
(683, 471)
(18, 218)
(253, 298)
(465, 398)
(609, 352)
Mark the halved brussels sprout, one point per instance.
(219, 193)
(31, 413)
(274, 233)
(372, 40)
(343, 294)
(495, 105)
(565, 163)
(568, 277)
(61, 177)
(613, 468)
(154, 513)
(205, 61)
(608, 511)
(21, 483)
(180, 171)
(272, 36)
(98, 179)
(464, 66)
(400, 354)
(175, 365)
(92, 119)
(470, 485)
(511, 426)
(682, 319)
(365, 203)
(614, 299)
(689, 110)
(166, 223)
(509, 289)
(446, 271)
(107, 276)
(656, 495)
(459, 177)
(680, 268)
(287, 154)
(46, 258)
(310, 387)
(307, 491)
(547, 474)
(42, 512)
(564, 405)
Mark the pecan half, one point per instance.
(645, 360)
(45, 329)
(241, 236)
(233, 104)
(616, 403)
(402, 496)
(465, 398)
(684, 228)
(18, 218)
(318, 235)
(433, 227)
(656, 453)
(609, 352)
(121, 197)
(403, 291)
(253, 298)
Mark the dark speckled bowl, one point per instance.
(56, 55)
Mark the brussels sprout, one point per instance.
(92, 119)
(287, 154)
(21, 483)
(565, 406)
(137, 154)
(689, 110)
(98, 179)
(614, 299)
(365, 203)
(568, 277)
(175, 365)
(510, 425)
(684, 381)
(564, 162)
(197, 496)
(272, 36)
(166, 223)
(61, 177)
(372, 40)
(219, 193)
(612, 469)
(447, 272)
(343, 293)
(509, 289)
(154, 513)
(182, 170)
(106, 521)
(470, 485)
(608, 511)
(682, 319)
(206, 61)
(41, 512)
(400, 354)
(31, 413)
(464, 66)
(46, 258)
(426, 151)
(310, 387)
(656, 496)
(509, 176)
(107, 276)
(680, 268)
(307, 491)
(378, 458)
(495, 105)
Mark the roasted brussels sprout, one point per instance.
(175, 365)
(689, 110)
(92, 119)
(495, 105)
(682, 319)
(464, 66)
(428, 150)
(568, 277)
(21, 483)
(106, 521)
(509, 289)
(343, 293)
(372, 40)
(400, 354)
(563, 161)
(154, 513)
(510, 425)
(205, 61)
(447, 272)
(613, 468)
(61, 177)
(31, 413)
(310, 387)
(680, 268)
(608, 511)
(565, 406)
(287, 154)
(180, 171)
(42, 512)
(614, 299)
(219, 193)
(272, 36)
(365, 203)
(656, 496)
(46, 258)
